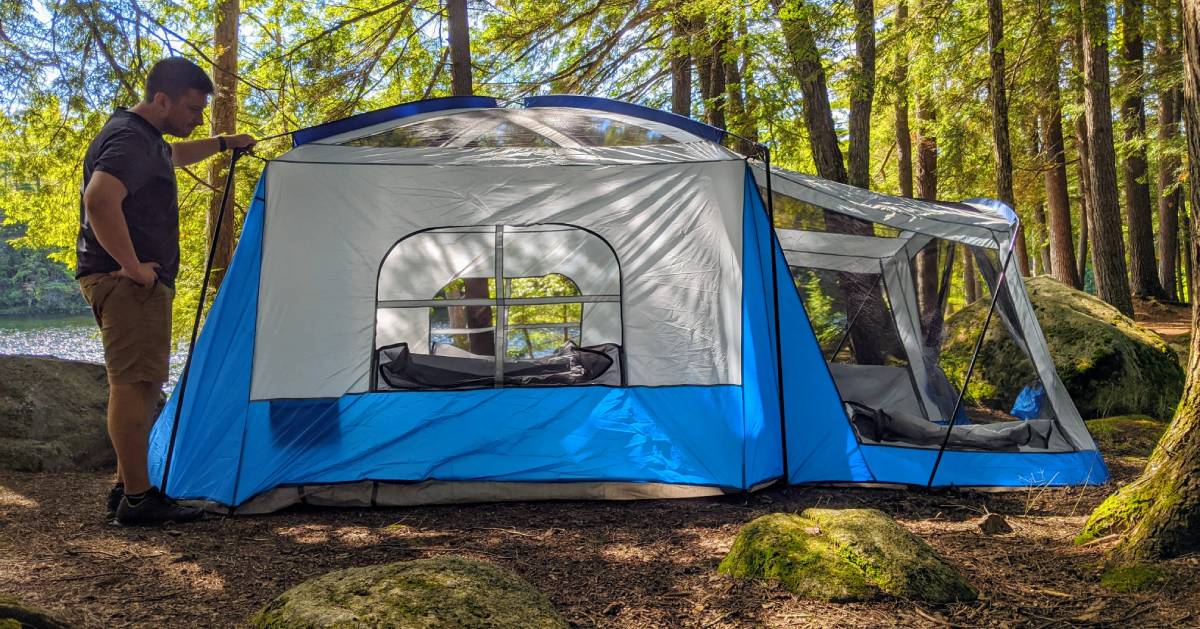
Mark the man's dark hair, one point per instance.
(175, 75)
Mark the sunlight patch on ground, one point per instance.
(352, 535)
(624, 553)
(10, 498)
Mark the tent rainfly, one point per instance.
(451, 301)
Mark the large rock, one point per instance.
(426, 593)
(52, 415)
(1109, 364)
(843, 555)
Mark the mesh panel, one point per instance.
(791, 213)
(850, 316)
(536, 128)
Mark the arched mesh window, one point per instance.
(498, 306)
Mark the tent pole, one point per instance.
(766, 153)
(974, 356)
(187, 364)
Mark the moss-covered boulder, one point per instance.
(16, 615)
(1109, 364)
(52, 415)
(426, 593)
(843, 555)
(1126, 435)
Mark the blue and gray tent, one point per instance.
(453, 301)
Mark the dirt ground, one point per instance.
(633, 564)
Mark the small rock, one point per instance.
(994, 524)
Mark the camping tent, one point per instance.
(451, 300)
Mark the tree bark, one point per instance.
(1170, 191)
(1054, 159)
(224, 122)
(681, 68)
(1001, 147)
(1159, 513)
(1108, 260)
(862, 94)
(1143, 272)
(903, 134)
(970, 277)
(460, 48)
(869, 342)
(927, 259)
(1081, 256)
(805, 61)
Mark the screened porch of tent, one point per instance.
(882, 323)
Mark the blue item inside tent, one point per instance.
(1029, 402)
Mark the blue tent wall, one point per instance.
(208, 444)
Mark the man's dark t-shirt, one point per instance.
(132, 150)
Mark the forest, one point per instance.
(1083, 116)
(932, 99)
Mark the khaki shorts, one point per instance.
(135, 326)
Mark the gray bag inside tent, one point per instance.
(450, 367)
(897, 426)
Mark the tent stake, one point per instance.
(974, 355)
(187, 364)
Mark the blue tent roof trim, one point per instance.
(395, 112)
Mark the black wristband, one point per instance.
(221, 143)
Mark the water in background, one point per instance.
(72, 338)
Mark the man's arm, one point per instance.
(192, 151)
(102, 202)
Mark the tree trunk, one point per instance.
(867, 336)
(711, 68)
(739, 120)
(1001, 147)
(460, 48)
(1085, 185)
(1170, 192)
(805, 61)
(1108, 261)
(1143, 272)
(903, 135)
(927, 259)
(681, 68)
(1062, 263)
(224, 122)
(1081, 257)
(1159, 513)
(862, 93)
(970, 277)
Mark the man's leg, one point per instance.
(129, 423)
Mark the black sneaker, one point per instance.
(114, 499)
(155, 507)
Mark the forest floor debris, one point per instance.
(610, 564)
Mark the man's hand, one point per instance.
(145, 273)
(239, 141)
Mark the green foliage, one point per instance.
(31, 283)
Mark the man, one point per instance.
(128, 256)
